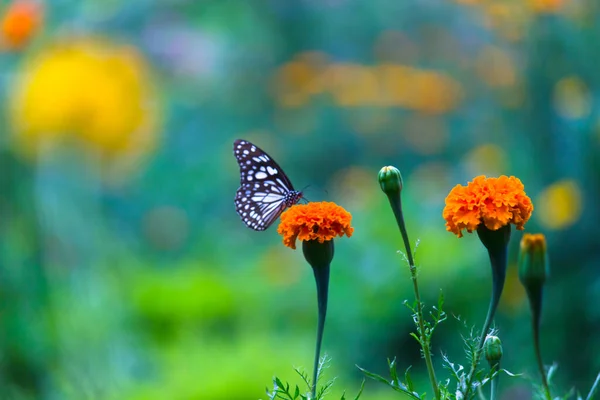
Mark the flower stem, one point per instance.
(535, 299)
(498, 260)
(322, 279)
(590, 396)
(396, 205)
(538, 356)
(494, 385)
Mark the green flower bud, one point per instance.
(390, 180)
(533, 264)
(492, 349)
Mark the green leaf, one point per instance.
(279, 383)
(552, 371)
(362, 387)
(393, 370)
(415, 336)
(408, 380)
(271, 395)
(394, 384)
(305, 377)
(373, 376)
(507, 372)
(323, 390)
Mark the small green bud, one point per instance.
(390, 180)
(492, 348)
(533, 264)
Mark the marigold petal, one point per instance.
(320, 221)
(493, 202)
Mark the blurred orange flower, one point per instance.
(320, 221)
(546, 6)
(494, 202)
(21, 20)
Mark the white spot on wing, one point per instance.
(267, 198)
(260, 175)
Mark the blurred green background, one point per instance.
(125, 272)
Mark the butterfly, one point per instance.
(265, 191)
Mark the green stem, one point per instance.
(498, 260)
(396, 205)
(494, 386)
(535, 299)
(590, 396)
(322, 279)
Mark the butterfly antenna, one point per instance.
(304, 198)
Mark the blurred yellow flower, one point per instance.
(469, 2)
(296, 81)
(572, 98)
(434, 92)
(20, 21)
(349, 85)
(487, 158)
(90, 90)
(352, 85)
(559, 205)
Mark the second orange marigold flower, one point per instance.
(493, 202)
(21, 20)
(320, 221)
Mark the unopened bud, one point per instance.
(390, 180)
(533, 264)
(492, 349)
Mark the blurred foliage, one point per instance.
(125, 272)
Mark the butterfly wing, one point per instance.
(265, 191)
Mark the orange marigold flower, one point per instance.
(494, 202)
(314, 221)
(20, 22)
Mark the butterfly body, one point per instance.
(265, 191)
